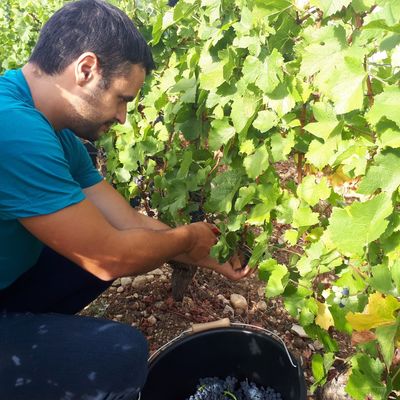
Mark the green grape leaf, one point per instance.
(224, 188)
(383, 174)
(365, 378)
(362, 5)
(345, 86)
(221, 132)
(291, 236)
(243, 110)
(322, 154)
(265, 120)
(276, 275)
(395, 272)
(386, 104)
(246, 195)
(353, 281)
(257, 163)
(353, 227)
(388, 134)
(316, 332)
(123, 175)
(304, 216)
(281, 100)
(259, 214)
(386, 336)
(324, 129)
(381, 279)
(251, 69)
(270, 73)
(247, 147)
(309, 309)
(185, 165)
(330, 7)
(177, 198)
(282, 146)
(312, 192)
(323, 111)
(317, 367)
(191, 128)
(320, 365)
(327, 43)
(189, 89)
(212, 76)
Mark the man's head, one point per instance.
(99, 46)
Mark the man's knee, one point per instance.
(126, 354)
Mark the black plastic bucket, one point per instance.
(242, 352)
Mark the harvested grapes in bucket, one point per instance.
(232, 389)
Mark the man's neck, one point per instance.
(46, 93)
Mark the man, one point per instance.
(65, 234)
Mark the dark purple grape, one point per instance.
(230, 389)
(135, 201)
(197, 216)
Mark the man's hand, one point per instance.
(202, 239)
(232, 269)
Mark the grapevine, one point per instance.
(242, 88)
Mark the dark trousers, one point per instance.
(47, 353)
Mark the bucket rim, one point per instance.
(188, 335)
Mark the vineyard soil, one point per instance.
(150, 307)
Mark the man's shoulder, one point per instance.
(14, 90)
(24, 124)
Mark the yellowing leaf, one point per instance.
(378, 312)
(324, 317)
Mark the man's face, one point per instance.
(97, 108)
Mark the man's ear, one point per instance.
(87, 68)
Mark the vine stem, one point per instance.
(359, 272)
(168, 146)
(397, 372)
(307, 15)
(287, 250)
(358, 22)
(33, 16)
(357, 129)
(218, 157)
(300, 159)
(370, 93)
(299, 284)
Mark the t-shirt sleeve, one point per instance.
(81, 165)
(35, 176)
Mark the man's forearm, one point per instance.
(123, 217)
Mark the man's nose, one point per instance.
(121, 114)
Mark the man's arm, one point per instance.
(83, 234)
(121, 215)
(117, 211)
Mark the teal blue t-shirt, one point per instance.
(41, 171)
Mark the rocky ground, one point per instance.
(146, 302)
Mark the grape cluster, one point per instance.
(341, 295)
(230, 389)
(135, 201)
(197, 215)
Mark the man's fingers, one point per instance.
(214, 229)
(235, 262)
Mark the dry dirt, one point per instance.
(150, 307)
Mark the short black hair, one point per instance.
(96, 26)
